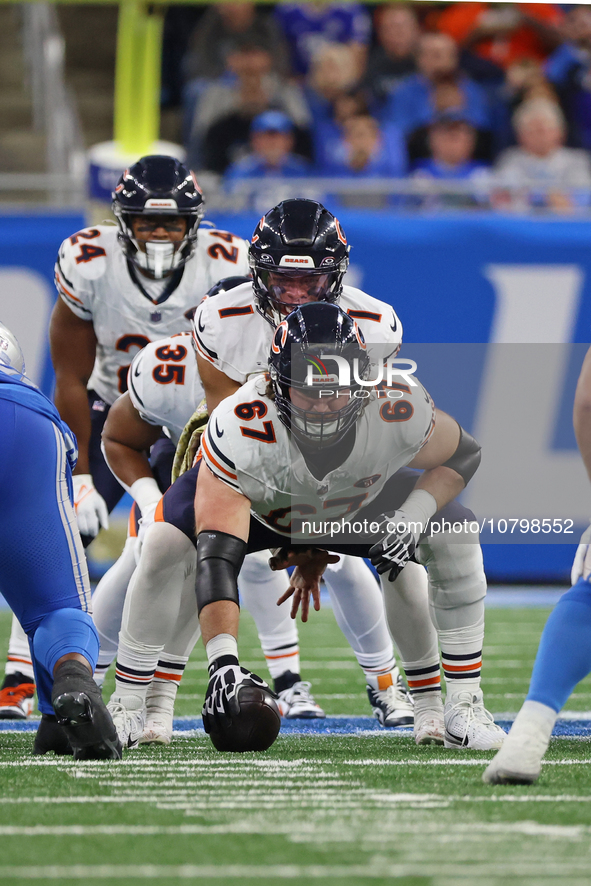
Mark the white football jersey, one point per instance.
(164, 384)
(234, 336)
(93, 277)
(249, 448)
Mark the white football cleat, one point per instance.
(429, 722)
(298, 702)
(158, 729)
(469, 725)
(128, 715)
(519, 761)
(392, 706)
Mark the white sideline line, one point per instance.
(111, 766)
(523, 828)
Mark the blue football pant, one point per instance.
(43, 572)
(564, 653)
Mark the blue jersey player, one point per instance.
(564, 653)
(43, 574)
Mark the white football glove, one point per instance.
(582, 561)
(90, 506)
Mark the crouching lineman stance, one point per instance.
(43, 572)
(279, 452)
(564, 654)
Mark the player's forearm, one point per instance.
(127, 464)
(71, 400)
(444, 484)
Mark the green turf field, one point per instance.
(351, 809)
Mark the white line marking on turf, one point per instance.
(381, 869)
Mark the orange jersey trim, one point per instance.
(216, 463)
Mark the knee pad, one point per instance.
(455, 570)
(64, 631)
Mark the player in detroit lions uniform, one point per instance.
(278, 453)
(43, 573)
(121, 287)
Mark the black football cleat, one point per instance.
(83, 715)
(51, 737)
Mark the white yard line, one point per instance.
(374, 869)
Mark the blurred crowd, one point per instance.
(493, 97)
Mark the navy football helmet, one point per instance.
(158, 185)
(226, 284)
(297, 239)
(301, 347)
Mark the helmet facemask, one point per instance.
(158, 258)
(312, 428)
(322, 284)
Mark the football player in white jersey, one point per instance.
(164, 387)
(121, 287)
(280, 454)
(299, 253)
(143, 648)
(457, 610)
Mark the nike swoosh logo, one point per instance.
(199, 326)
(217, 430)
(136, 371)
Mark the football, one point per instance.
(253, 728)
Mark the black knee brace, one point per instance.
(219, 560)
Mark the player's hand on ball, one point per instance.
(91, 509)
(305, 579)
(393, 552)
(582, 562)
(240, 713)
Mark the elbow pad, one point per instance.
(219, 560)
(466, 458)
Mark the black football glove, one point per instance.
(393, 552)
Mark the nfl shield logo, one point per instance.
(156, 317)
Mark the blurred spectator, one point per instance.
(332, 97)
(503, 33)
(397, 35)
(569, 71)
(365, 151)
(541, 157)
(223, 27)
(438, 86)
(221, 126)
(271, 143)
(452, 142)
(309, 26)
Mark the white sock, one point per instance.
(18, 660)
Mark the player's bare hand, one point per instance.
(305, 580)
(284, 557)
